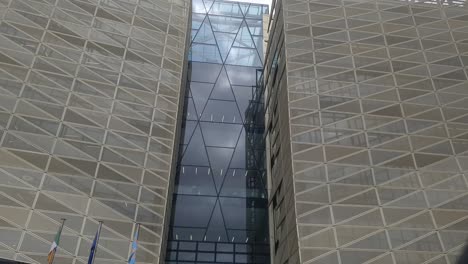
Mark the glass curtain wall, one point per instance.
(219, 212)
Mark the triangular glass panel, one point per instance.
(205, 72)
(205, 53)
(239, 158)
(200, 93)
(243, 38)
(242, 183)
(225, 41)
(219, 161)
(244, 7)
(195, 180)
(225, 9)
(190, 112)
(197, 21)
(241, 75)
(259, 44)
(188, 128)
(222, 89)
(243, 96)
(236, 213)
(208, 4)
(221, 111)
(198, 6)
(244, 57)
(225, 24)
(195, 154)
(216, 230)
(205, 34)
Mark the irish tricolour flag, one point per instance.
(53, 247)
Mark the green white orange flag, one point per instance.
(53, 247)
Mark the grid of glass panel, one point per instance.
(375, 95)
(220, 201)
(89, 93)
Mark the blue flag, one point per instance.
(93, 249)
(132, 258)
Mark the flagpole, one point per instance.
(60, 234)
(138, 230)
(136, 235)
(97, 241)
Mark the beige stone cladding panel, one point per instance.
(378, 113)
(89, 94)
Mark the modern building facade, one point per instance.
(349, 147)
(220, 212)
(89, 102)
(95, 99)
(367, 131)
